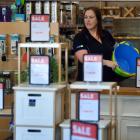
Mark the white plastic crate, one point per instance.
(36, 133)
(38, 106)
(102, 132)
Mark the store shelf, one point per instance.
(5, 112)
(95, 85)
(116, 17)
(40, 88)
(128, 37)
(14, 27)
(125, 18)
(110, 16)
(67, 26)
(41, 45)
(72, 1)
(59, 47)
(111, 7)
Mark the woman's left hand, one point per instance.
(110, 64)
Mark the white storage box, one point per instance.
(102, 133)
(39, 105)
(36, 133)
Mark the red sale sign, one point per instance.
(89, 106)
(39, 28)
(93, 58)
(89, 96)
(83, 131)
(40, 18)
(39, 70)
(93, 67)
(39, 60)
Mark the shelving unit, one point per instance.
(14, 27)
(127, 38)
(59, 47)
(111, 11)
(110, 86)
(5, 118)
(21, 28)
(11, 65)
(129, 31)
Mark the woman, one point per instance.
(93, 39)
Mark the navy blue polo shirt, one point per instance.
(85, 41)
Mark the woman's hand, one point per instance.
(110, 64)
(79, 55)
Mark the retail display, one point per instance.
(30, 102)
(95, 86)
(2, 44)
(14, 40)
(58, 47)
(102, 132)
(83, 130)
(39, 28)
(53, 101)
(85, 101)
(93, 68)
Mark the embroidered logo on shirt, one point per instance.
(80, 46)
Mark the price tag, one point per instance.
(93, 68)
(39, 70)
(83, 131)
(89, 106)
(39, 28)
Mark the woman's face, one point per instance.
(90, 20)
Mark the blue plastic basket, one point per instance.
(125, 55)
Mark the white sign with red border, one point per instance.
(93, 68)
(39, 70)
(89, 106)
(83, 131)
(1, 96)
(39, 28)
(138, 73)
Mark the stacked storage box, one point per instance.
(38, 110)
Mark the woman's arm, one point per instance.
(79, 55)
(110, 64)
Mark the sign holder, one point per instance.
(39, 27)
(39, 69)
(93, 64)
(89, 106)
(83, 131)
